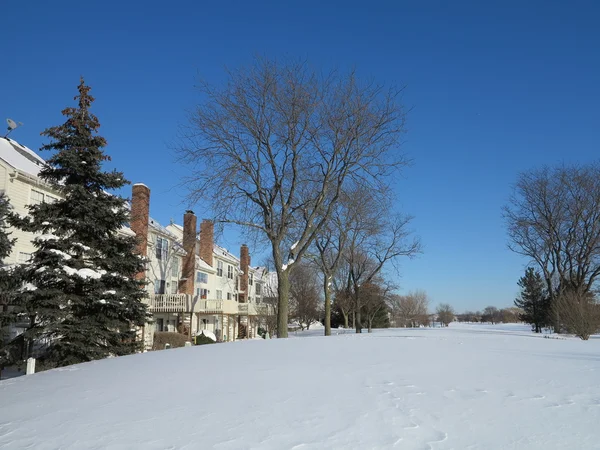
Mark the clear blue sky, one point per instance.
(494, 90)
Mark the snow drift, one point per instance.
(465, 387)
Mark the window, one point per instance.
(201, 277)
(24, 257)
(203, 293)
(229, 296)
(257, 289)
(162, 248)
(230, 271)
(219, 295)
(173, 287)
(175, 267)
(37, 197)
(219, 268)
(50, 199)
(160, 324)
(251, 279)
(159, 286)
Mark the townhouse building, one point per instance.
(193, 284)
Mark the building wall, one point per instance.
(19, 192)
(162, 268)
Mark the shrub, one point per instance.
(201, 340)
(579, 314)
(162, 338)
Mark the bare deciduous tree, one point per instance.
(374, 300)
(375, 237)
(274, 148)
(304, 295)
(330, 244)
(445, 313)
(411, 310)
(343, 299)
(554, 218)
(491, 314)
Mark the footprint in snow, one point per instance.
(441, 437)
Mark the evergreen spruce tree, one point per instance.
(81, 294)
(533, 300)
(8, 277)
(6, 242)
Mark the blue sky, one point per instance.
(494, 90)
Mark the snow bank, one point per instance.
(444, 388)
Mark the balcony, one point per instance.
(255, 309)
(183, 303)
(169, 302)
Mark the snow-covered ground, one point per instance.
(463, 387)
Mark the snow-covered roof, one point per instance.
(224, 253)
(20, 157)
(156, 226)
(175, 229)
(161, 229)
(203, 265)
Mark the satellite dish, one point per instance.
(12, 125)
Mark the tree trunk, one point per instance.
(328, 307)
(370, 324)
(357, 323)
(283, 291)
(345, 314)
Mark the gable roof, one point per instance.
(20, 157)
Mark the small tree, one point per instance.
(445, 314)
(511, 315)
(81, 296)
(579, 313)
(304, 295)
(533, 300)
(374, 303)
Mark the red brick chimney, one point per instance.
(207, 231)
(188, 269)
(244, 267)
(140, 216)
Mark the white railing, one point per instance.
(169, 302)
(193, 303)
